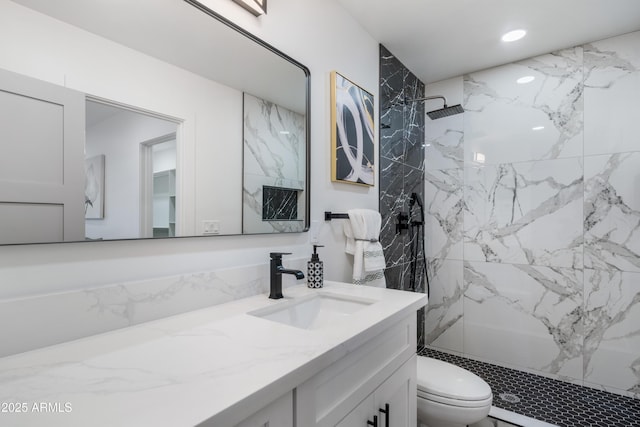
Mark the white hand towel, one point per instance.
(363, 231)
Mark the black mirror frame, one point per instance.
(307, 73)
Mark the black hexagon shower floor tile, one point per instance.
(546, 399)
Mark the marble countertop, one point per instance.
(217, 364)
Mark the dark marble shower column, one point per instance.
(401, 168)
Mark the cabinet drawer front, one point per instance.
(339, 388)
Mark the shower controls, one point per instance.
(402, 222)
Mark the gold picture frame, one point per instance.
(352, 132)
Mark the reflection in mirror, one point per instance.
(140, 123)
(274, 167)
(139, 147)
(163, 192)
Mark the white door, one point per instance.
(41, 161)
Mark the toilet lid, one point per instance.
(447, 380)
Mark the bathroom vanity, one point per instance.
(341, 355)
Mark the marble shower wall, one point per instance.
(273, 156)
(401, 171)
(533, 218)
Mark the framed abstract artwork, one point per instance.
(352, 132)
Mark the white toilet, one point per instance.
(449, 396)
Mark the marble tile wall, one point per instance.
(49, 319)
(401, 173)
(533, 218)
(273, 155)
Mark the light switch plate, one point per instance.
(211, 226)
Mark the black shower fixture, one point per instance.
(416, 223)
(445, 111)
(402, 222)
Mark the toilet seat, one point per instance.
(458, 403)
(449, 384)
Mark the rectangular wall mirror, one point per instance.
(146, 119)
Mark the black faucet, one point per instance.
(277, 270)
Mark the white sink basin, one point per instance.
(313, 311)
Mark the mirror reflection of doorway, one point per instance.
(117, 134)
(163, 159)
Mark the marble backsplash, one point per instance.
(43, 320)
(533, 218)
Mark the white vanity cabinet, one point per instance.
(279, 413)
(380, 372)
(392, 404)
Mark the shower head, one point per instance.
(445, 111)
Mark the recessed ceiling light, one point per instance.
(525, 79)
(538, 128)
(514, 35)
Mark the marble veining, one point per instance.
(414, 122)
(612, 84)
(86, 312)
(444, 142)
(274, 156)
(444, 213)
(279, 203)
(136, 303)
(401, 172)
(612, 212)
(546, 306)
(444, 317)
(392, 95)
(545, 191)
(612, 329)
(401, 159)
(545, 115)
(525, 213)
(392, 202)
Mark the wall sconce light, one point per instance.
(257, 7)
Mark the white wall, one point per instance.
(164, 159)
(318, 34)
(118, 138)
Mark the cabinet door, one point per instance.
(393, 402)
(279, 413)
(42, 185)
(395, 399)
(330, 396)
(359, 416)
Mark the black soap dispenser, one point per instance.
(315, 270)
